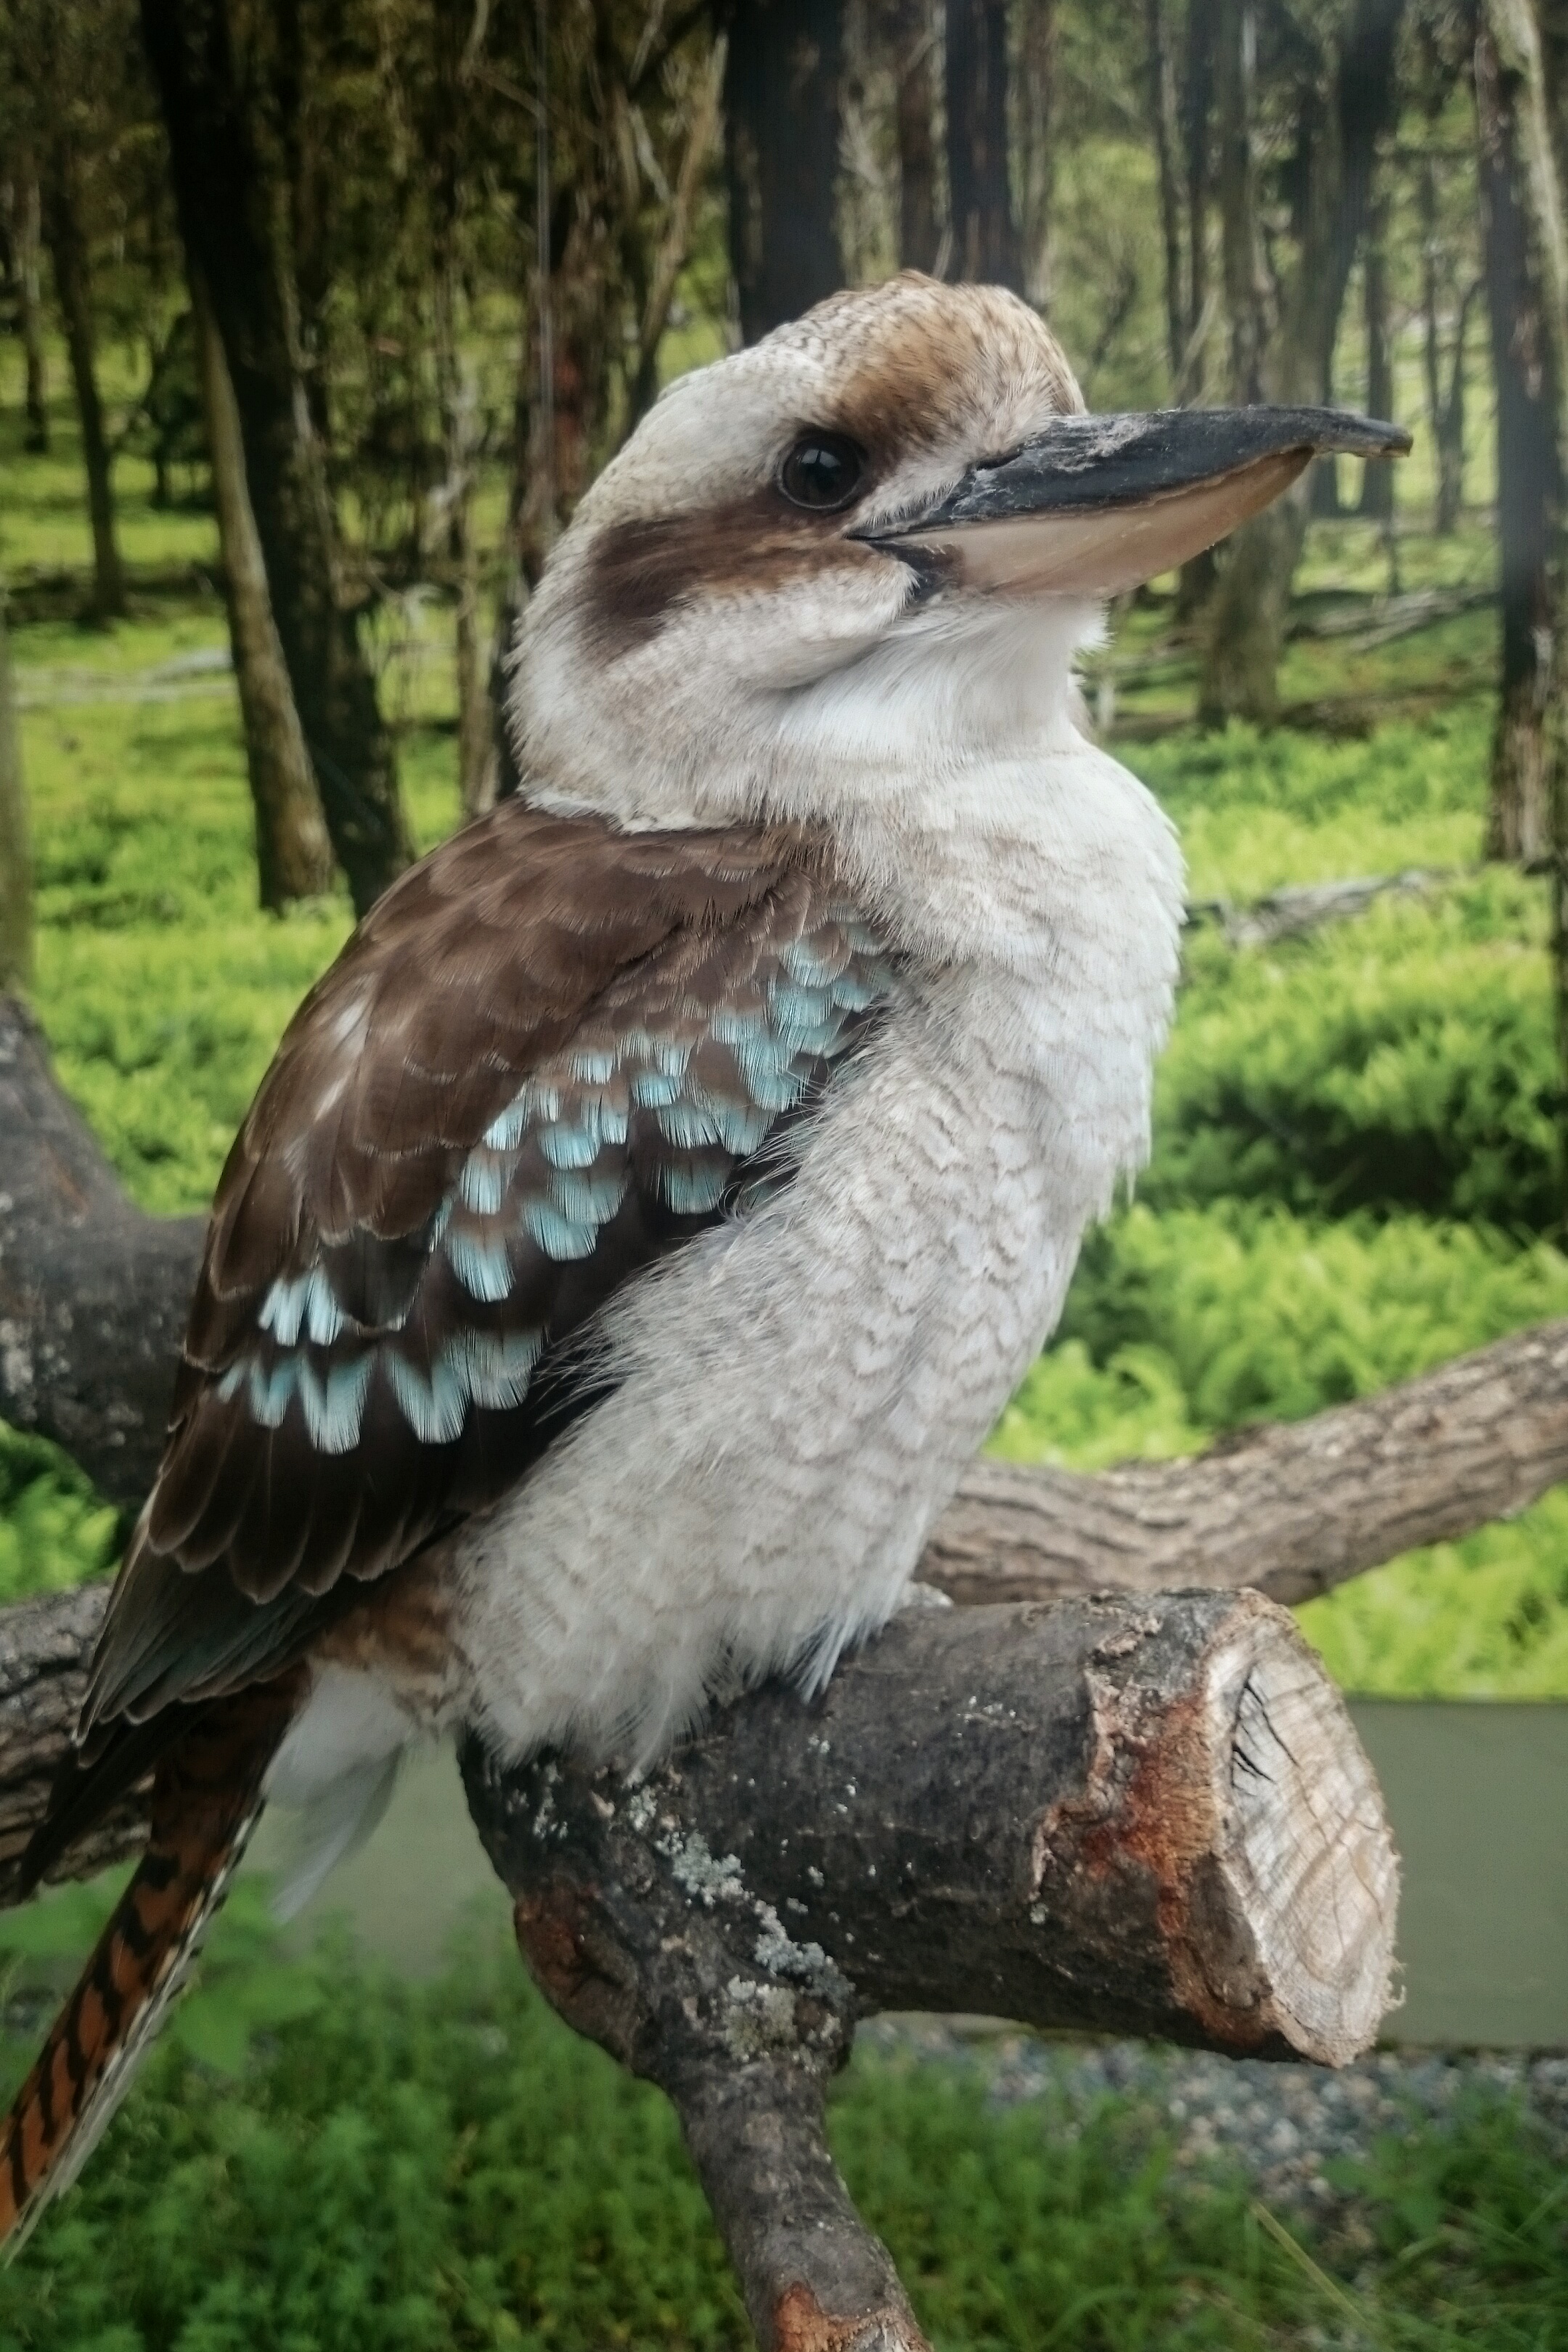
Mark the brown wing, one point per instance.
(552, 1052)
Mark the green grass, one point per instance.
(319, 2159)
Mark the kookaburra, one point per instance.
(649, 1213)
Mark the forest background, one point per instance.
(316, 318)
(449, 268)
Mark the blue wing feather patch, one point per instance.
(560, 1238)
(480, 1264)
(334, 1406)
(680, 1072)
(271, 1387)
(433, 1408)
(481, 1187)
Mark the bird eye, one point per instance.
(823, 471)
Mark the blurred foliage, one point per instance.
(54, 1531)
(1404, 1059)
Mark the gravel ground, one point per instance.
(1283, 2125)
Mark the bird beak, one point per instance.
(1094, 505)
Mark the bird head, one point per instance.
(881, 536)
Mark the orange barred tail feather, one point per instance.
(207, 1799)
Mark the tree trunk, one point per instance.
(1244, 620)
(1285, 351)
(235, 216)
(26, 236)
(1520, 178)
(1377, 483)
(1444, 406)
(675, 245)
(986, 242)
(1197, 111)
(1198, 574)
(1037, 141)
(1164, 117)
(293, 853)
(16, 858)
(66, 235)
(911, 37)
(1528, 470)
(781, 112)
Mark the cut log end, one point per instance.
(1300, 1855)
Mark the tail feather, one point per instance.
(207, 1800)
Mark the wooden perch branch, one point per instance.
(1146, 1812)
(1150, 1817)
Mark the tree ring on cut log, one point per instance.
(1305, 1850)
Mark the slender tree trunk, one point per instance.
(293, 853)
(1037, 137)
(986, 242)
(1530, 485)
(446, 138)
(675, 245)
(1163, 116)
(1527, 273)
(67, 239)
(1284, 351)
(476, 765)
(911, 40)
(1444, 406)
(1196, 583)
(27, 238)
(235, 216)
(1377, 484)
(15, 859)
(781, 110)
(1197, 120)
(1244, 622)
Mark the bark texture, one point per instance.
(1145, 1816)
(238, 162)
(93, 1293)
(293, 851)
(782, 115)
(1152, 1818)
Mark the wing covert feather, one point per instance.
(552, 1052)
